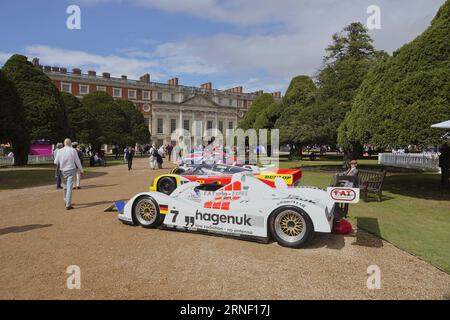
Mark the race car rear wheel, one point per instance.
(291, 227)
(166, 185)
(146, 212)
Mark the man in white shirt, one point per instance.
(68, 162)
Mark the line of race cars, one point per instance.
(246, 202)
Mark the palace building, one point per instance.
(165, 106)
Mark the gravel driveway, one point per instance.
(39, 240)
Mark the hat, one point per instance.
(353, 162)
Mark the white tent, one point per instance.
(442, 125)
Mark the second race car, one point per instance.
(221, 174)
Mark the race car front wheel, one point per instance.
(291, 227)
(166, 185)
(146, 212)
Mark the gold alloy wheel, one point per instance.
(290, 225)
(146, 211)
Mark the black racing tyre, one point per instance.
(145, 212)
(166, 185)
(291, 227)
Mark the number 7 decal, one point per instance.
(175, 214)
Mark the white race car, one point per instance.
(244, 208)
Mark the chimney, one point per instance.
(124, 77)
(92, 73)
(258, 93)
(145, 78)
(235, 90)
(35, 62)
(76, 71)
(207, 86)
(173, 82)
(106, 75)
(276, 94)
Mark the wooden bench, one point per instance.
(371, 181)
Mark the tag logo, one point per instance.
(350, 195)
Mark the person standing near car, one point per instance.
(59, 146)
(129, 156)
(153, 154)
(444, 164)
(68, 163)
(80, 156)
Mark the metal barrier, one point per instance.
(32, 159)
(424, 161)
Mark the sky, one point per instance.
(257, 44)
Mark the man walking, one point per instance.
(129, 156)
(59, 146)
(68, 163)
(80, 156)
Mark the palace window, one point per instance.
(100, 88)
(220, 125)
(131, 94)
(145, 95)
(84, 89)
(159, 126)
(66, 87)
(147, 122)
(172, 97)
(230, 102)
(230, 125)
(160, 96)
(186, 125)
(239, 103)
(173, 125)
(209, 125)
(117, 92)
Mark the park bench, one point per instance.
(371, 181)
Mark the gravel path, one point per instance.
(39, 240)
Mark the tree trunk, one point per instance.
(20, 151)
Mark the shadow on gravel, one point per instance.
(20, 229)
(368, 233)
(98, 186)
(91, 204)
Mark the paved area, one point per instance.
(39, 240)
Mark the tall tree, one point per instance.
(404, 94)
(44, 109)
(12, 121)
(137, 131)
(293, 121)
(258, 106)
(346, 64)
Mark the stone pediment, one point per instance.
(199, 100)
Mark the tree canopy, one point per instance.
(404, 94)
(258, 107)
(43, 105)
(106, 120)
(12, 121)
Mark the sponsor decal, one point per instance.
(163, 208)
(349, 195)
(217, 218)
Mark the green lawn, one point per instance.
(414, 214)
